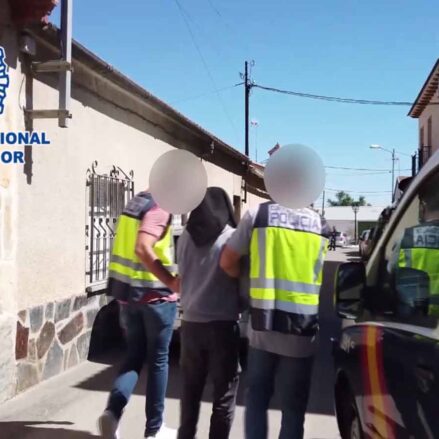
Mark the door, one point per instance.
(401, 336)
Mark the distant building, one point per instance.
(343, 218)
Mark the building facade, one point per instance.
(58, 209)
(426, 110)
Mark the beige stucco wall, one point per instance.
(433, 112)
(52, 212)
(9, 120)
(43, 214)
(252, 202)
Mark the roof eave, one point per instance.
(427, 92)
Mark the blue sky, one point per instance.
(368, 50)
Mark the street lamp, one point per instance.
(355, 208)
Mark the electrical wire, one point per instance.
(203, 59)
(238, 34)
(202, 95)
(356, 192)
(217, 12)
(361, 169)
(333, 98)
(359, 174)
(204, 35)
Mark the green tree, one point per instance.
(344, 199)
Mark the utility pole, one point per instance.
(393, 175)
(247, 87)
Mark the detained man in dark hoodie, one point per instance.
(211, 307)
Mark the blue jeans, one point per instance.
(148, 331)
(294, 380)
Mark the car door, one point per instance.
(401, 394)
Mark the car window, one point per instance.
(409, 272)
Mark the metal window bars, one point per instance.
(420, 157)
(107, 195)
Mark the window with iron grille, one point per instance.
(107, 195)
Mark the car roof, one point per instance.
(427, 170)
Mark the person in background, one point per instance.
(142, 279)
(211, 306)
(333, 239)
(287, 249)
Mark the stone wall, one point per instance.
(53, 337)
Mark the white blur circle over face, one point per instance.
(178, 181)
(294, 176)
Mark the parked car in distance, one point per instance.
(341, 239)
(387, 355)
(365, 243)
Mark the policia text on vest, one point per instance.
(287, 252)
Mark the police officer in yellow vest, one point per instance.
(286, 249)
(142, 278)
(419, 250)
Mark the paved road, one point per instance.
(66, 407)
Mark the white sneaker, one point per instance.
(108, 425)
(164, 433)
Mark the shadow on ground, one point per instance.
(321, 398)
(41, 430)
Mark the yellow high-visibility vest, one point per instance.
(125, 268)
(420, 250)
(287, 253)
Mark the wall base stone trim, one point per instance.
(52, 338)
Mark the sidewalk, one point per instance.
(67, 406)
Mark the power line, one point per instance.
(202, 95)
(333, 98)
(205, 35)
(357, 192)
(360, 174)
(361, 169)
(227, 25)
(209, 73)
(217, 12)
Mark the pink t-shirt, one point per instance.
(155, 223)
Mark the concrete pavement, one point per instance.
(67, 406)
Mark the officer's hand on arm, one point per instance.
(230, 262)
(237, 247)
(145, 252)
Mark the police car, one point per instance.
(387, 356)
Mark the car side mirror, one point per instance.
(350, 281)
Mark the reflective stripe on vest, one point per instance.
(286, 261)
(125, 266)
